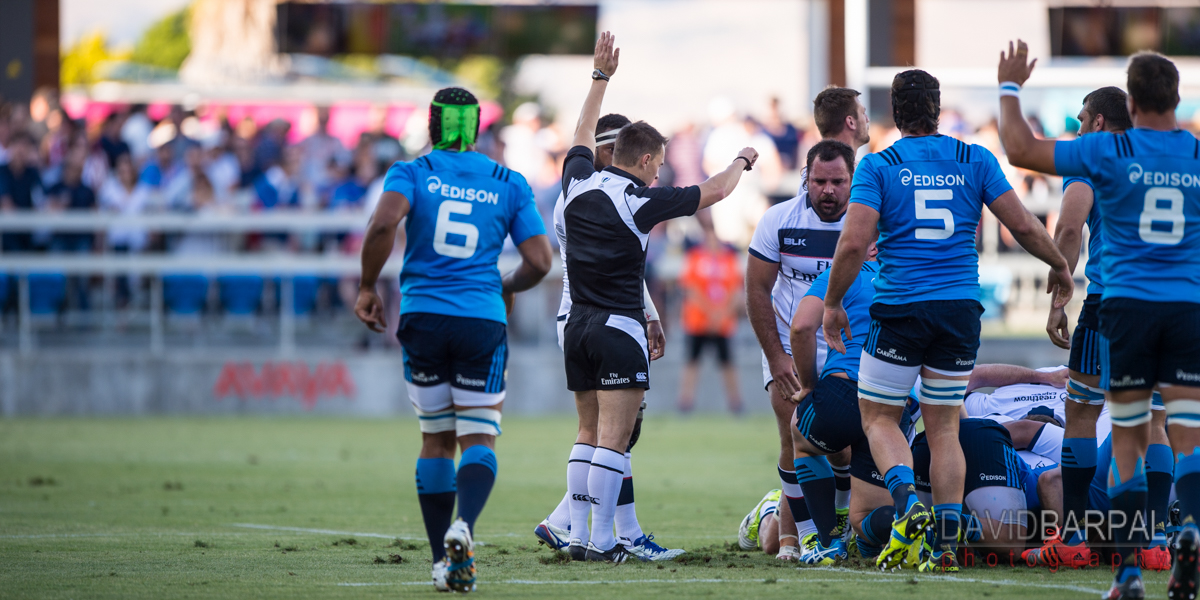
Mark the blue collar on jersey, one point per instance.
(626, 175)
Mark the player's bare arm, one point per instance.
(376, 248)
(1032, 236)
(1023, 148)
(862, 228)
(604, 60)
(720, 186)
(998, 375)
(1068, 236)
(760, 278)
(803, 336)
(536, 258)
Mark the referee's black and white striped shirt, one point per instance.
(607, 217)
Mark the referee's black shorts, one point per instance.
(605, 349)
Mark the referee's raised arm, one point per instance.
(605, 64)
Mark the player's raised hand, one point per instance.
(1014, 64)
(369, 310)
(834, 322)
(1057, 328)
(606, 56)
(1061, 285)
(749, 154)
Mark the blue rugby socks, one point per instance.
(817, 484)
(1078, 462)
(876, 531)
(435, 492)
(476, 475)
(947, 520)
(1128, 497)
(1160, 466)
(902, 485)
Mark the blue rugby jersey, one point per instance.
(1147, 186)
(462, 207)
(929, 192)
(1095, 239)
(857, 303)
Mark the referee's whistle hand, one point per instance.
(749, 154)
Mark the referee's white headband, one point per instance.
(608, 137)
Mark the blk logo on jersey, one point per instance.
(435, 186)
(798, 242)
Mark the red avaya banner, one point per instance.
(285, 379)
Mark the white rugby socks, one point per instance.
(580, 504)
(604, 485)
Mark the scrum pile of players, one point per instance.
(863, 292)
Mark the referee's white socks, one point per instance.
(604, 485)
(580, 505)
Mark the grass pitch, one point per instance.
(324, 508)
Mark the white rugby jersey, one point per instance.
(793, 236)
(1013, 402)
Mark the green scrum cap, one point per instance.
(453, 116)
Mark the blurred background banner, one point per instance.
(184, 183)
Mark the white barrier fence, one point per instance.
(1013, 268)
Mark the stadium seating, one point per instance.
(184, 294)
(46, 292)
(304, 293)
(241, 295)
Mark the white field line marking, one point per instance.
(930, 579)
(960, 579)
(95, 535)
(324, 531)
(386, 536)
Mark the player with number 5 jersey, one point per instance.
(460, 206)
(922, 199)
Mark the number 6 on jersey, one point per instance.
(445, 226)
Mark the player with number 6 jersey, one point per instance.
(922, 199)
(460, 206)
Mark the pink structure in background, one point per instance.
(347, 120)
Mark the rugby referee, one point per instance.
(608, 216)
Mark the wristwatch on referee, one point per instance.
(598, 74)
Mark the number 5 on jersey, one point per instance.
(938, 214)
(446, 226)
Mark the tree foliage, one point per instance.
(166, 43)
(79, 62)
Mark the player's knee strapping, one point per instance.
(942, 392)
(477, 421)
(1084, 394)
(885, 383)
(1185, 413)
(436, 422)
(1131, 414)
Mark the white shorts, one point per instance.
(1004, 504)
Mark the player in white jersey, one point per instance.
(554, 529)
(792, 245)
